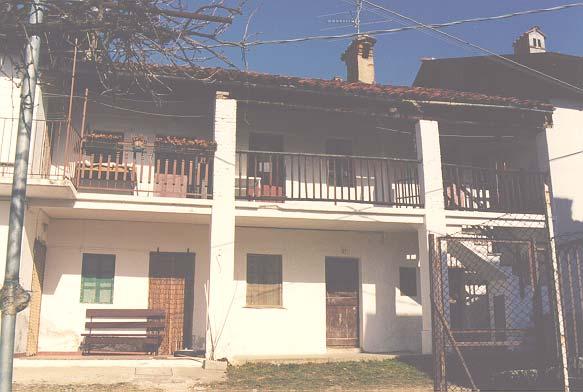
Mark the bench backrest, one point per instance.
(155, 319)
(125, 313)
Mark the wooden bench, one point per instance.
(118, 327)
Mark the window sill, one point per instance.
(264, 307)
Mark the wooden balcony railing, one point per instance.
(479, 189)
(144, 171)
(278, 176)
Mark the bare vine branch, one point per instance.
(124, 35)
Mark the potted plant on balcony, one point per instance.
(138, 143)
(185, 144)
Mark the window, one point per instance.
(408, 281)
(97, 278)
(264, 279)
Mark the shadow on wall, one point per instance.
(564, 218)
(395, 324)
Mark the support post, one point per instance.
(221, 285)
(13, 298)
(431, 189)
(557, 283)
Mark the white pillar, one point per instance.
(221, 284)
(431, 184)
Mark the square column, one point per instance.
(431, 188)
(221, 285)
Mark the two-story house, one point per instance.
(531, 72)
(267, 215)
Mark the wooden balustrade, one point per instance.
(480, 189)
(145, 170)
(278, 176)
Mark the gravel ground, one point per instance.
(82, 388)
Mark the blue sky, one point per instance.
(397, 55)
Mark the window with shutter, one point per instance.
(264, 280)
(97, 275)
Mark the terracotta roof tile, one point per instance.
(356, 89)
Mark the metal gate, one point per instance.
(494, 324)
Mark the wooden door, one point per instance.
(342, 302)
(38, 273)
(172, 290)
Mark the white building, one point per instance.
(306, 229)
(489, 75)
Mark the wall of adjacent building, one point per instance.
(565, 151)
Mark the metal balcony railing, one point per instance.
(479, 189)
(280, 176)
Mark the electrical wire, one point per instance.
(116, 107)
(488, 18)
(399, 29)
(477, 47)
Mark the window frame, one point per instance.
(405, 292)
(278, 258)
(98, 282)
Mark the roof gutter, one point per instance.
(478, 105)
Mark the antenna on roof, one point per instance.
(346, 18)
(357, 18)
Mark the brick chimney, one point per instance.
(533, 41)
(359, 59)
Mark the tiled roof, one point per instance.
(222, 75)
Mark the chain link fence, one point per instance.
(494, 307)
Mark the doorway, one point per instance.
(342, 302)
(268, 167)
(340, 170)
(172, 290)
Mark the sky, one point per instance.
(397, 56)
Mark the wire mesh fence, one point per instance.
(570, 266)
(494, 308)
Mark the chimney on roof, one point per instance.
(533, 41)
(359, 59)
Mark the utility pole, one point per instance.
(13, 298)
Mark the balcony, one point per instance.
(106, 163)
(279, 176)
(54, 146)
(470, 188)
(112, 165)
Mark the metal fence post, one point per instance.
(556, 282)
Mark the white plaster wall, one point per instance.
(9, 106)
(565, 149)
(9, 111)
(62, 314)
(132, 124)
(389, 321)
(35, 223)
